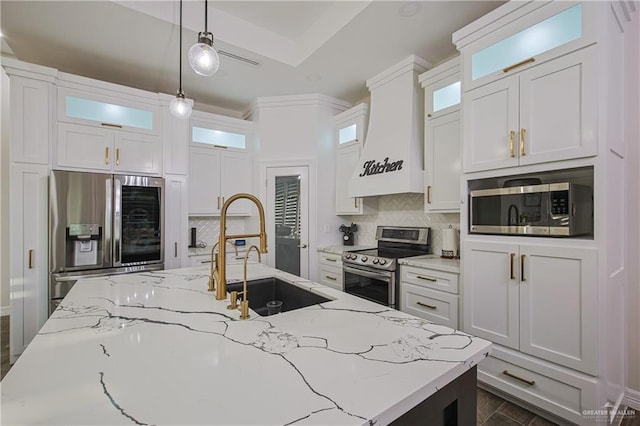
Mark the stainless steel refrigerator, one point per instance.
(102, 224)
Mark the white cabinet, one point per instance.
(330, 270)
(176, 142)
(30, 102)
(89, 148)
(350, 135)
(430, 294)
(216, 174)
(176, 221)
(28, 257)
(442, 93)
(545, 113)
(538, 299)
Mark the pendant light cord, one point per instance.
(180, 49)
(205, 16)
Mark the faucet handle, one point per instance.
(234, 300)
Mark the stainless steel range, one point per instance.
(373, 274)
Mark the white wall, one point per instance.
(632, 136)
(4, 196)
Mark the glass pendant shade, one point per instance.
(179, 106)
(203, 57)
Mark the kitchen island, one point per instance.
(157, 348)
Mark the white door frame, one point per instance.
(307, 262)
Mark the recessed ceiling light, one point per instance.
(409, 9)
(314, 77)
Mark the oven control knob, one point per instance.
(354, 256)
(364, 258)
(375, 261)
(383, 261)
(347, 256)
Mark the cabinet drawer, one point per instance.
(431, 278)
(555, 389)
(436, 306)
(200, 260)
(332, 260)
(331, 277)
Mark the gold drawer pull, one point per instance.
(117, 156)
(513, 376)
(30, 259)
(330, 278)
(426, 306)
(355, 203)
(116, 126)
(429, 194)
(433, 280)
(106, 155)
(205, 261)
(512, 135)
(218, 202)
(330, 260)
(522, 268)
(175, 249)
(522, 133)
(513, 277)
(519, 64)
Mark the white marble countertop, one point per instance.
(157, 348)
(432, 261)
(341, 249)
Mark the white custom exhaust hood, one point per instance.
(392, 158)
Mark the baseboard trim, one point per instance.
(632, 398)
(5, 310)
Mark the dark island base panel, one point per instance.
(455, 404)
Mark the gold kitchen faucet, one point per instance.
(214, 261)
(220, 272)
(244, 305)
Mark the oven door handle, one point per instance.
(376, 275)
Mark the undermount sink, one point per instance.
(264, 290)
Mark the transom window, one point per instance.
(218, 137)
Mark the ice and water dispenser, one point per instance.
(84, 245)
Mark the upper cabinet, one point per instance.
(513, 114)
(103, 133)
(351, 128)
(220, 164)
(442, 137)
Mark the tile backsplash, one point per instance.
(208, 228)
(402, 210)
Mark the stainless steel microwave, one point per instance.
(555, 209)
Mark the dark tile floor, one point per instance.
(492, 410)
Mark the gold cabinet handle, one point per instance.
(330, 278)
(330, 260)
(512, 135)
(522, 268)
(433, 280)
(106, 155)
(513, 277)
(426, 306)
(355, 203)
(116, 126)
(522, 133)
(519, 64)
(429, 194)
(117, 156)
(30, 259)
(513, 376)
(175, 249)
(218, 202)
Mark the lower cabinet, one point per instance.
(560, 391)
(28, 257)
(176, 221)
(430, 294)
(540, 300)
(330, 270)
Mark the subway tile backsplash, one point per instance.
(208, 228)
(402, 210)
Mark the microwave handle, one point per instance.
(117, 222)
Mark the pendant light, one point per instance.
(202, 56)
(179, 106)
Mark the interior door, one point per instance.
(287, 218)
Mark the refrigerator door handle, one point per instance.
(108, 223)
(117, 222)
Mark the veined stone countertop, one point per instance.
(432, 261)
(342, 249)
(157, 348)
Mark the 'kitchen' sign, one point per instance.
(373, 168)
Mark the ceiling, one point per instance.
(301, 47)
